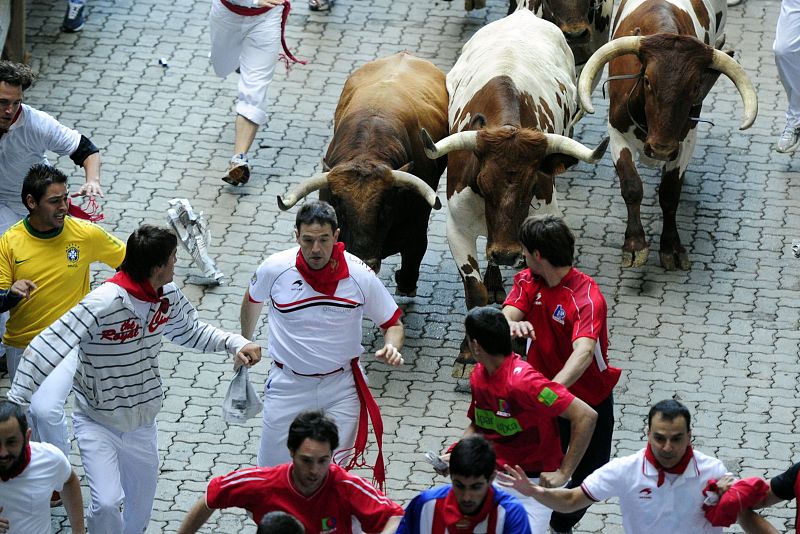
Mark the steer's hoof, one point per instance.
(497, 296)
(403, 292)
(636, 258)
(463, 366)
(462, 370)
(673, 261)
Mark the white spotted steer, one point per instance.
(512, 99)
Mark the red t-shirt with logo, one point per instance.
(573, 309)
(261, 490)
(516, 408)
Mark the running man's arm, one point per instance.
(582, 419)
(393, 339)
(196, 518)
(558, 499)
(582, 355)
(73, 503)
(249, 315)
(392, 524)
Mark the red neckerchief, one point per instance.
(16, 116)
(326, 279)
(449, 518)
(22, 467)
(678, 469)
(141, 290)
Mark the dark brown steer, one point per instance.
(664, 55)
(585, 24)
(382, 208)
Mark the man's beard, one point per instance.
(15, 465)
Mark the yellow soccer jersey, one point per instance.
(58, 263)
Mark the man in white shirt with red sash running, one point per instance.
(248, 35)
(660, 488)
(317, 295)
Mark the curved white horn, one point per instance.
(594, 67)
(301, 190)
(405, 179)
(458, 141)
(730, 68)
(558, 144)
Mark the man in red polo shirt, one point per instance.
(516, 408)
(563, 314)
(320, 494)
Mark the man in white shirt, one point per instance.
(660, 488)
(25, 134)
(317, 295)
(30, 472)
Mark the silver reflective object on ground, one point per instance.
(192, 231)
(796, 248)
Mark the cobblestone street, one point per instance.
(722, 337)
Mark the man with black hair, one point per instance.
(30, 472)
(562, 313)
(319, 493)
(280, 523)
(25, 134)
(44, 271)
(318, 295)
(470, 504)
(516, 408)
(117, 330)
(660, 488)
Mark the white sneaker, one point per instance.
(732, 3)
(238, 170)
(789, 139)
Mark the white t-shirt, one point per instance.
(314, 333)
(24, 145)
(26, 498)
(675, 507)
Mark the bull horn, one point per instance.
(559, 144)
(305, 187)
(594, 67)
(458, 141)
(405, 179)
(729, 67)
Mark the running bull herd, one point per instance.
(501, 123)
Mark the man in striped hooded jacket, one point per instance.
(118, 330)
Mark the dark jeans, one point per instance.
(597, 454)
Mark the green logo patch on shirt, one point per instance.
(547, 397)
(505, 426)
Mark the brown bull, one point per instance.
(382, 208)
(666, 61)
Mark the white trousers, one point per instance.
(252, 44)
(122, 469)
(538, 514)
(787, 56)
(48, 421)
(287, 394)
(9, 216)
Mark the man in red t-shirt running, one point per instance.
(563, 314)
(320, 494)
(517, 409)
